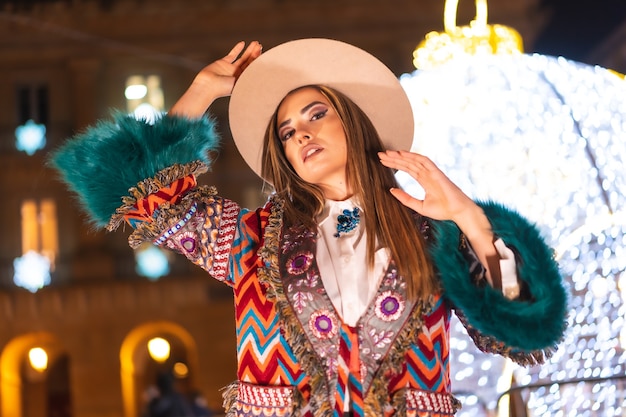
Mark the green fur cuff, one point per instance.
(534, 324)
(103, 163)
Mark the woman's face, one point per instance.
(314, 141)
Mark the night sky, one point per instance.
(578, 26)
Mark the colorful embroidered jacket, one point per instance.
(294, 354)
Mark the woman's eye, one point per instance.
(319, 114)
(286, 136)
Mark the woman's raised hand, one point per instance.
(216, 80)
(221, 75)
(443, 200)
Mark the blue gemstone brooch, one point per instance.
(347, 221)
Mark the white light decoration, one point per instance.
(32, 271)
(30, 137)
(152, 262)
(146, 112)
(546, 136)
(135, 92)
(144, 90)
(38, 359)
(159, 349)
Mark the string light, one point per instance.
(546, 136)
(458, 42)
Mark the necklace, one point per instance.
(347, 221)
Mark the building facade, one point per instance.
(65, 64)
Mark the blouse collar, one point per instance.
(333, 208)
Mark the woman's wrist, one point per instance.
(195, 101)
(477, 229)
(473, 222)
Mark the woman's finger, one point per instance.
(231, 57)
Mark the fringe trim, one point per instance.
(377, 401)
(229, 396)
(148, 186)
(269, 274)
(490, 344)
(168, 215)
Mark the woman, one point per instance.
(343, 283)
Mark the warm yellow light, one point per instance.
(458, 41)
(159, 349)
(38, 359)
(180, 370)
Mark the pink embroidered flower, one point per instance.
(186, 242)
(323, 324)
(299, 263)
(389, 306)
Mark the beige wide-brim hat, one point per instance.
(315, 61)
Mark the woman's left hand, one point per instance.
(443, 200)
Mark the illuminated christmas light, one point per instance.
(32, 271)
(152, 262)
(135, 92)
(546, 136)
(459, 42)
(38, 359)
(30, 137)
(159, 349)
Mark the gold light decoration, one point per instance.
(477, 38)
(159, 349)
(38, 359)
(546, 136)
(181, 370)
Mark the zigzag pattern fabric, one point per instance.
(262, 356)
(349, 373)
(268, 360)
(145, 207)
(427, 361)
(240, 248)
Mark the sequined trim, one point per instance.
(264, 396)
(176, 228)
(246, 400)
(425, 401)
(224, 242)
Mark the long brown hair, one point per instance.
(386, 219)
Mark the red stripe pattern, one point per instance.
(144, 208)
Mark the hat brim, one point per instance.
(316, 61)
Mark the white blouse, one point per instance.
(341, 261)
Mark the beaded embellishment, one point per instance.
(179, 225)
(347, 221)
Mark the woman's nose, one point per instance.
(304, 137)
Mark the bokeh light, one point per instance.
(547, 137)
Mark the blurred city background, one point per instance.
(524, 104)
